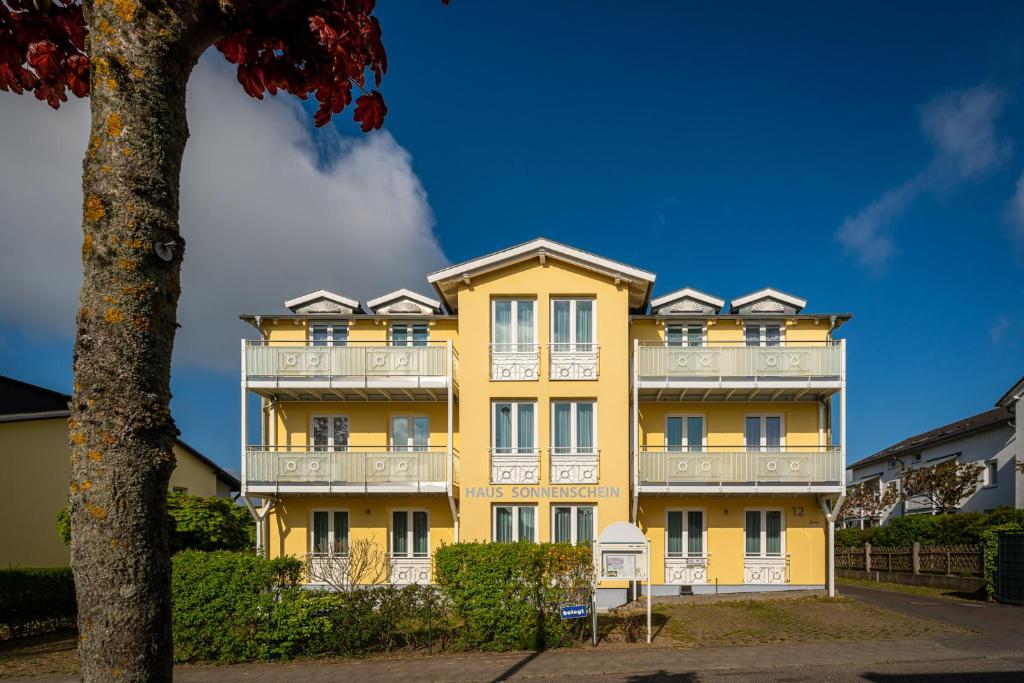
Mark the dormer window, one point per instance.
(691, 334)
(762, 334)
(328, 334)
(409, 334)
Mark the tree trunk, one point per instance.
(121, 431)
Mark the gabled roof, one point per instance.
(222, 474)
(768, 293)
(447, 280)
(1014, 394)
(398, 295)
(22, 398)
(321, 294)
(685, 292)
(953, 430)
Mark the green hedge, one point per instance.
(36, 600)
(508, 594)
(959, 529)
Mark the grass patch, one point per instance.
(766, 622)
(926, 591)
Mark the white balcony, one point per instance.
(686, 570)
(762, 570)
(573, 466)
(515, 466)
(338, 570)
(355, 371)
(410, 569)
(573, 361)
(790, 371)
(515, 362)
(298, 470)
(723, 469)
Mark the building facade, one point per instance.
(991, 438)
(34, 447)
(542, 396)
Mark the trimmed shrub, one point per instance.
(36, 600)
(964, 528)
(508, 594)
(233, 607)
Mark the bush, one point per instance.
(36, 601)
(195, 523)
(964, 528)
(233, 607)
(508, 594)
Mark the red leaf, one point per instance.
(370, 111)
(43, 58)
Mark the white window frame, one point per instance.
(763, 542)
(572, 321)
(573, 436)
(514, 329)
(704, 429)
(330, 325)
(762, 332)
(686, 531)
(685, 338)
(410, 534)
(515, 521)
(410, 446)
(514, 407)
(991, 468)
(410, 324)
(574, 531)
(330, 528)
(331, 446)
(763, 447)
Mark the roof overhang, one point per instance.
(322, 294)
(767, 293)
(448, 280)
(688, 292)
(398, 295)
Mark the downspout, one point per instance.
(831, 512)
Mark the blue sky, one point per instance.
(864, 157)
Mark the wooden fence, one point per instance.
(951, 560)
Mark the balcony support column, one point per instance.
(634, 426)
(244, 391)
(450, 456)
(831, 511)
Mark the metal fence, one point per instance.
(950, 560)
(1009, 579)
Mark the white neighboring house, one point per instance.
(992, 438)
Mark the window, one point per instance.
(764, 433)
(409, 334)
(330, 432)
(572, 324)
(512, 523)
(572, 426)
(328, 334)
(991, 473)
(684, 433)
(410, 533)
(514, 426)
(684, 533)
(573, 524)
(330, 532)
(513, 325)
(763, 334)
(691, 334)
(410, 433)
(764, 533)
(179, 489)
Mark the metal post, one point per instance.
(635, 425)
(243, 392)
(593, 596)
(648, 590)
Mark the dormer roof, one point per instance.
(322, 301)
(447, 280)
(767, 300)
(404, 302)
(686, 300)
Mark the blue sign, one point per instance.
(575, 611)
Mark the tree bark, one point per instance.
(121, 430)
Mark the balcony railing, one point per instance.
(687, 570)
(573, 361)
(366, 468)
(515, 362)
(790, 360)
(766, 569)
(355, 361)
(340, 570)
(515, 466)
(574, 465)
(740, 465)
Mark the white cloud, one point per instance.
(262, 222)
(961, 127)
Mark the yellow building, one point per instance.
(34, 450)
(543, 396)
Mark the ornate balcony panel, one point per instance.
(724, 465)
(573, 361)
(519, 467)
(792, 360)
(407, 570)
(687, 571)
(766, 570)
(290, 467)
(515, 362)
(574, 467)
